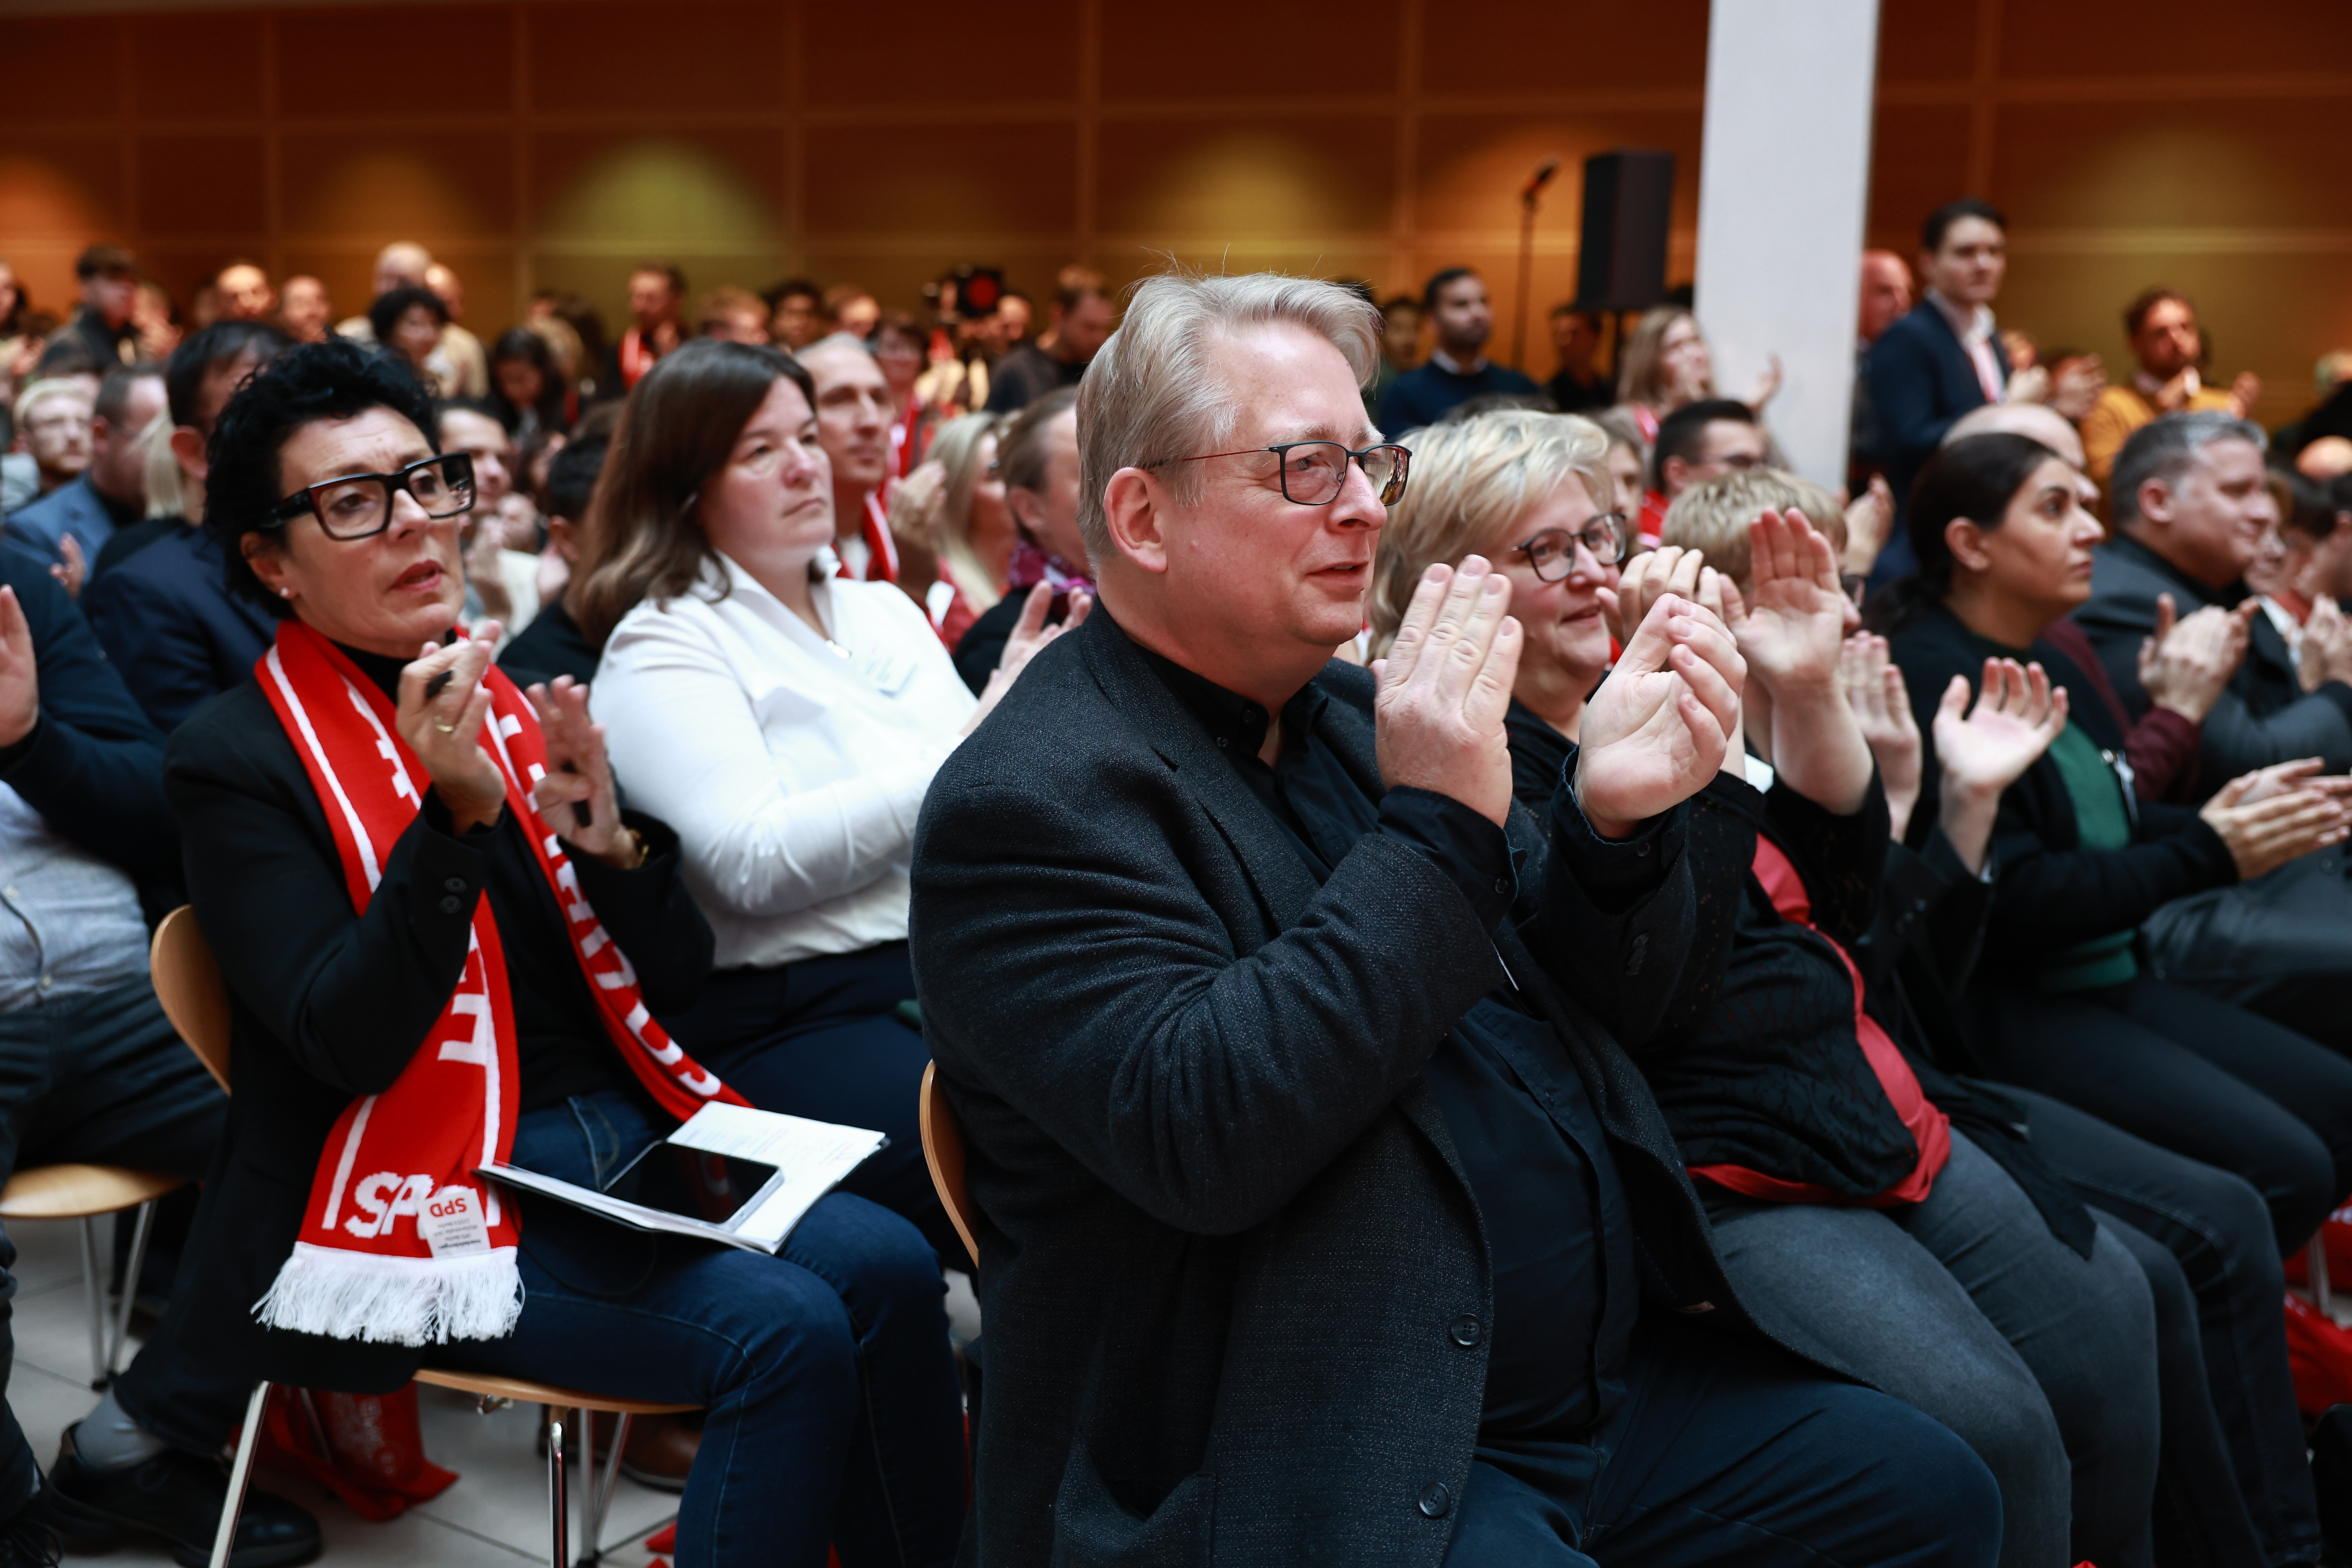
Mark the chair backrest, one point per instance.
(943, 1151)
(189, 986)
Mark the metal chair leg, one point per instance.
(94, 1290)
(2315, 1262)
(239, 1475)
(599, 1494)
(559, 1549)
(118, 1333)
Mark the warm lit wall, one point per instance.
(550, 143)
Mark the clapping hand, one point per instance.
(2277, 813)
(1660, 726)
(1795, 623)
(444, 727)
(1442, 692)
(2185, 665)
(576, 798)
(75, 568)
(1983, 751)
(20, 681)
(2326, 653)
(1669, 569)
(1881, 706)
(1027, 639)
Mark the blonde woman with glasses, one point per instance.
(1532, 493)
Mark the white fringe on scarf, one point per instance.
(345, 1295)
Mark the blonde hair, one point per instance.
(49, 389)
(1643, 379)
(957, 450)
(1470, 480)
(1150, 395)
(1712, 516)
(168, 490)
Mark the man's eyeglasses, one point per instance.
(359, 506)
(1313, 472)
(1552, 552)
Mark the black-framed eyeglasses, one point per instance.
(1314, 472)
(1552, 552)
(359, 506)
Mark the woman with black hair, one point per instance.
(420, 887)
(526, 390)
(2061, 1005)
(407, 322)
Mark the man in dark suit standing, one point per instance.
(1322, 1218)
(1942, 359)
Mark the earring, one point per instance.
(285, 593)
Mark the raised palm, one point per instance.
(1795, 620)
(1656, 730)
(2018, 713)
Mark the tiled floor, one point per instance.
(494, 1517)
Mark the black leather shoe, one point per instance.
(179, 1497)
(25, 1543)
(78, 1529)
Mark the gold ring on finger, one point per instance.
(444, 729)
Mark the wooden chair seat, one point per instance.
(79, 1192)
(522, 1391)
(943, 1153)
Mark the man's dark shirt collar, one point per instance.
(2131, 549)
(1236, 723)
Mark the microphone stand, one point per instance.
(1528, 199)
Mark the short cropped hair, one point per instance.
(1682, 433)
(1150, 394)
(385, 311)
(1472, 480)
(337, 379)
(2163, 449)
(184, 372)
(571, 478)
(47, 389)
(1437, 282)
(105, 261)
(669, 271)
(1021, 455)
(1073, 286)
(2136, 313)
(114, 390)
(1939, 222)
(1712, 516)
(2305, 506)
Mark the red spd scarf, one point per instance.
(401, 1243)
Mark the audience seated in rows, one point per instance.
(356, 915)
(1077, 320)
(1270, 1211)
(72, 523)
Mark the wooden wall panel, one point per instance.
(553, 143)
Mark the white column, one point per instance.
(1784, 179)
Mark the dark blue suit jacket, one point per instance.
(1920, 381)
(93, 765)
(73, 509)
(170, 627)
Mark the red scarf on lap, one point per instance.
(401, 1243)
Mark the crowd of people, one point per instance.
(1522, 984)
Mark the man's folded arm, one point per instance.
(1069, 963)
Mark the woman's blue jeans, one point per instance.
(832, 1415)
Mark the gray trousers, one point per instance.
(1966, 1308)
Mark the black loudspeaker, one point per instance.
(1629, 199)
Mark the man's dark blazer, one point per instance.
(73, 509)
(1921, 379)
(2264, 716)
(172, 627)
(1237, 1295)
(327, 1003)
(93, 765)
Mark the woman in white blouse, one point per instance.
(787, 721)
